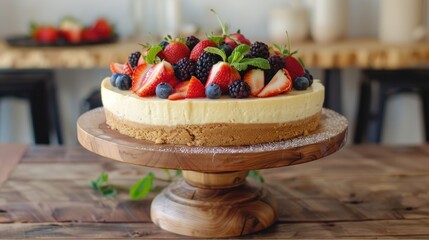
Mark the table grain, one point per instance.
(365, 191)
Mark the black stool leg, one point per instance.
(425, 103)
(333, 99)
(379, 119)
(40, 114)
(364, 110)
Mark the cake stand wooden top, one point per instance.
(96, 136)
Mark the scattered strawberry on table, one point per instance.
(72, 31)
(225, 64)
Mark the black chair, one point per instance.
(92, 101)
(38, 87)
(383, 84)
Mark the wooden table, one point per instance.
(365, 191)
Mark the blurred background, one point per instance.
(315, 23)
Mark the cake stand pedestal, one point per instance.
(213, 199)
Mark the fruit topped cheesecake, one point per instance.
(220, 91)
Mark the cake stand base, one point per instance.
(214, 205)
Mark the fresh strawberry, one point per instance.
(117, 68)
(222, 74)
(89, 35)
(71, 30)
(72, 36)
(175, 51)
(160, 72)
(293, 66)
(139, 75)
(128, 69)
(236, 39)
(141, 60)
(281, 82)
(103, 28)
(46, 34)
(199, 49)
(188, 89)
(255, 79)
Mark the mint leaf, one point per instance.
(240, 66)
(101, 185)
(242, 48)
(151, 54)
(261, 63)
(216, 51)
(255, 174)
(178, 172)
(141, 188)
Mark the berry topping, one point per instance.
(293, 66)
(123, 82)
(226, 48)
(163, 90)
(222, 74)
(204, 65)
(113, 79)
(133, 59)
(191, 41)
(255, 79)
(117, 68)
(259, 49)
(239, 89)
(213, 91)
(199, 49)
(188, 89)
(301, 83)
(308, 75)
(276, 63)
(184, 69)
(128, 69)
(175, 51)
(160, 72)
(281, 82)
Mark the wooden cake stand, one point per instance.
(213, 199)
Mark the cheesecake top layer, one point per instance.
(292, 106)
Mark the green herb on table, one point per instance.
(145, 185)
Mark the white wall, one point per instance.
(248, 15)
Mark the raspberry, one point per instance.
(276, 63)
(259, 49)
(133, 59)
(239, 89)
(184, 69)
(191, 41)
(204, 65)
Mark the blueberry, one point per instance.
(301, 83)
(163, 44)
(213, 91)
(113, 79)
(308, 76)
(163, 90)
(123, 82)
(226, 48)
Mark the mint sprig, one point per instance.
(142, 187)
(151, 56)
(237, 58)
(101, 184)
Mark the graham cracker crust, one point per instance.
(223, 134)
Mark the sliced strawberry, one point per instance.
(281, 82)
(128, 69)
(175, 51)
(236, 39)
(188, 89)
(222, 74)
(199, 49)
(256, 80)
(294, 68)
(138, 76)
(161, 72)
(117, 68)
(195, 89)
(141, 60)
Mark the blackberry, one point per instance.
(308, 75)
(191, 41)
(133, 59)
(184, 69)
(204, 64)
(276, 63)
(259, 49)
(239, 89)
